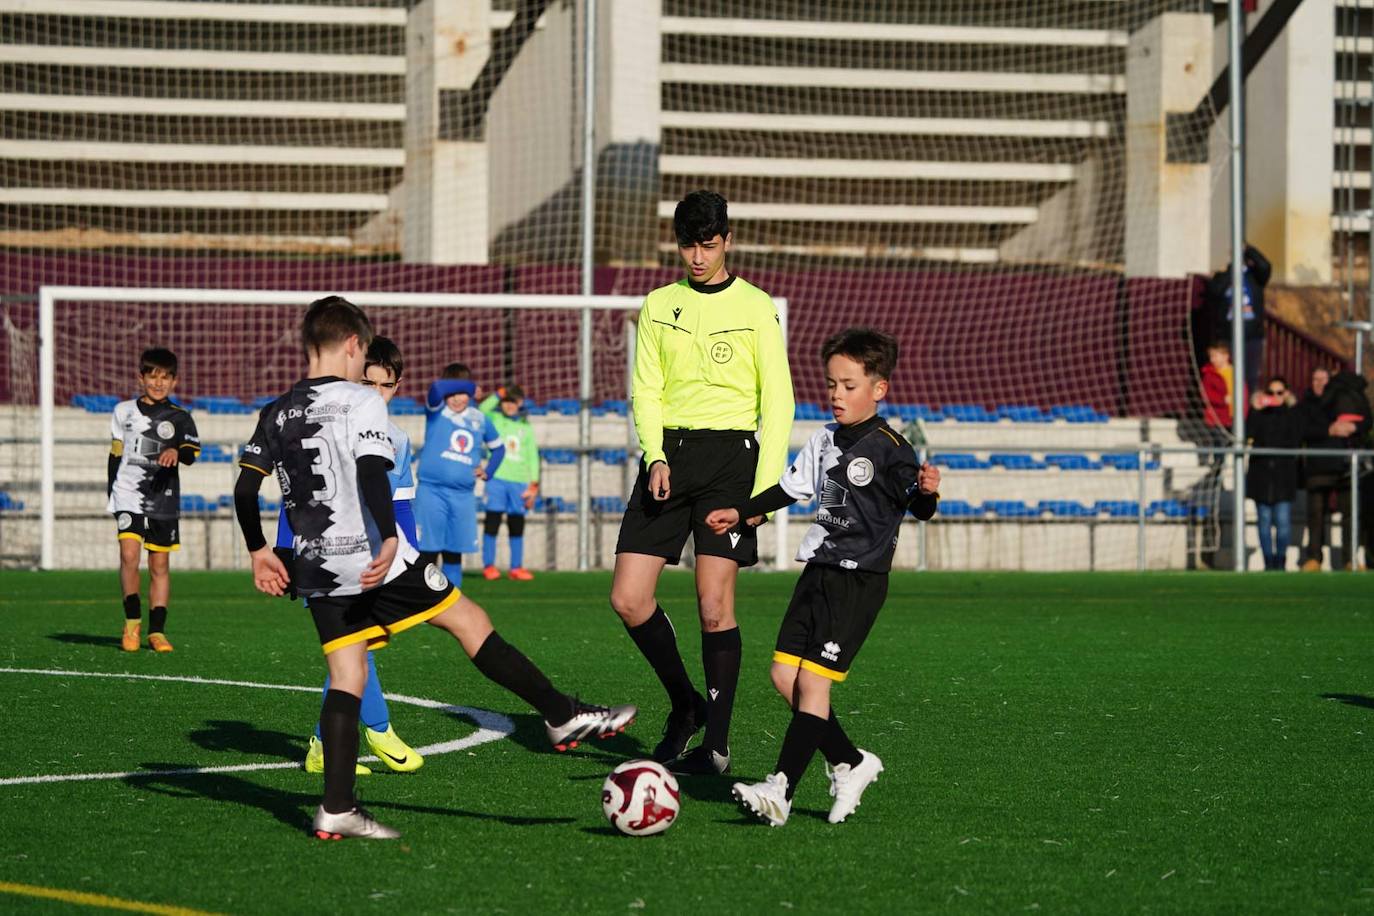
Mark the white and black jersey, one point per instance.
(865, 477)
(139, 433)
(311, 438)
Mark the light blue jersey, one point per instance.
(454, 445)
(401, 475)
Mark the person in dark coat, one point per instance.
(1255, 274)
(1340, 402)
(1276, 421)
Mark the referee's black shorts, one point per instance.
(830, 616)
(710, 469)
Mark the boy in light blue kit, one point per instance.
(450, 466)
(382, 373)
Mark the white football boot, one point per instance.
(847, 784)
(766, 800)
(358, 823)
(588, 720)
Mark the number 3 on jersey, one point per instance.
(322, 467)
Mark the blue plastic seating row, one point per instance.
(1022, 461)
(1064, 508)
(8, 502)
(971, 413)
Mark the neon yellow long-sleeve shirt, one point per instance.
(713, 361)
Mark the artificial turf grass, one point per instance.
(1092, 742)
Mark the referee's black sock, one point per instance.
(799, 746)
(157, 619)
(657, 641)
(836, 747)
(720, 657)
(506, 665)
(133, 609)
(339, 732)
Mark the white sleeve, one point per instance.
(799, 480)
(367, 427)
(116, 424)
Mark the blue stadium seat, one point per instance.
(534, 408)
(961, 461)
(260, 402)
(1023, 413)
(1169, 508)
(266, 505)
(909, 412)
(1072, 461)
(615, 408)
(566, 407)
(1118, 508)
(555, 504)
(958, 508)
(559, 456)
(1200, 511)
(609, 505)
(95, 403)
(1127, 462)
(1066, 508)
(405, 407)
(1078, 413)
(614, 456)
(222, 405)
(215, 453)
(968, 413)
(195, 504)
(808, 410)
(9, 503)
(802, 508)
(1008, 508)
(1016, 462)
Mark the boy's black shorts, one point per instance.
(416, 595)
(710, 469)
(831, 613)
(156, 534)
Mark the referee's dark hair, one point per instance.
(700, 217)
(332, 320)
(157, 358)
(384, 352)
(876, 351)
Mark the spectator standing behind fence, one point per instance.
(1340, 417)
(1274, 421)
(1254, 277)
(1218, 380)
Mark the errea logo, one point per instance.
(831, 651)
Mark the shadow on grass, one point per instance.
(86, 639)
(1351, 699)
(243, 737)
(294, 809)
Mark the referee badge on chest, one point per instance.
(860, 472)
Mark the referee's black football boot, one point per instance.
(701, 761)
(679, 729)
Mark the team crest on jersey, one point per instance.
(461, 441)
(165, 429)
(124, 520)
(860, 472)
(722, 352)
(435, 578)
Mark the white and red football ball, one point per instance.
(640, 798)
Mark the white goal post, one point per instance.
(52, 297)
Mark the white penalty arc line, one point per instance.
(491, 726)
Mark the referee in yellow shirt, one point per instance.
(713, 410)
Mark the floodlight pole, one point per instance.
(584, 374)
(1234, 28)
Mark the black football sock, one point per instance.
(133, 610)
(506, 665)
(339, 732)
(836, 747)
(657, 642)
(799, 746)
(157, 620)
(720, 657)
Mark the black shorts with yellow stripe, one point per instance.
(156, 534)
(830, 616)
(416, 595)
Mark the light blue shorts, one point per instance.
(505, 496)
(446, 519)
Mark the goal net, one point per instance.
(1025, 195)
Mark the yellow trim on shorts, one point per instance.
(158, 548)
(784, 658)
(245, 464)
(377, 637)
(130, 536)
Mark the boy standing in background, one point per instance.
(514, 486)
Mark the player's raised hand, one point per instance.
(376, 570)
(928, 478)
(659, 486)
(722, 520)
(167, 458)
(269, 575)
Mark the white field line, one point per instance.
(491, 726)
